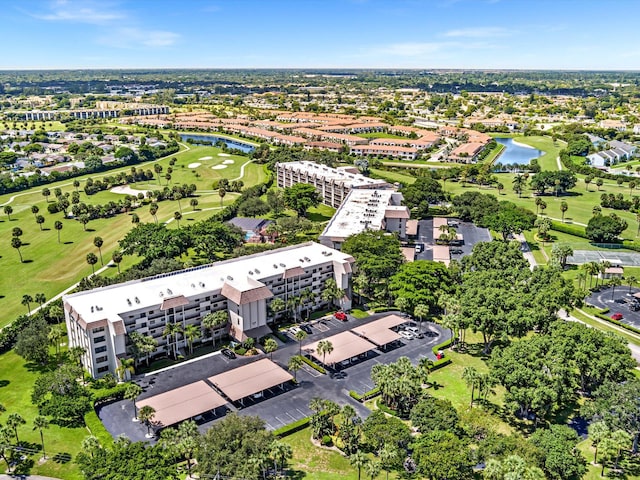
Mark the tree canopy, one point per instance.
(300, 197)
(605, 228)
(420, 282)
(424, 191)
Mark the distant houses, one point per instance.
(616, 153)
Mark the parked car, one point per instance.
(456, 251)
(340, 315)
(294, 330)
(412, 329)
(617, 316)
(406, 335)
(419, 247)
(453, 223)
(230, 354)
(307, 329)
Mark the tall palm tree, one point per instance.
(324, 347)
(277, 305)
(295, 364)
(132, 392)
(125, 368)
(331, 292)
(191, 332)
(564, 206)
(58, 226)
(153, 210)
(372, 468)
(631, 281)
(598, 431)
(470, 376)
(280, 452)
(116, 258)
(614, 282)
(421, 311)
(146, 415)
(177, 216)
(40, 423)
(17, 243)
(270, 346)
(171, 331)
(40, 298)
(358, 461)
(54, 337)
(214, 320)
(26, 301)
(300, 336)
(14, 420)
(389, 456)
(98, 242)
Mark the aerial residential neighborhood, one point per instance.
(356, 240)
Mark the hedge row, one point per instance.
(292, 427)
(97, 429)
(618, 323)
(571, 229)
(313, 365)
(441, 346)
(374, 392)
(106, 395)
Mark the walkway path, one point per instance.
(26, 477)
(559, 162)
(526, 250)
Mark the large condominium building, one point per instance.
(365, 209)
(101, 320)
(106, 112)
(333, 184)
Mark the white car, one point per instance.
(406, 335)
(413, 330)
(294, 330)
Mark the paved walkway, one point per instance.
(26, 477)
(526, 250)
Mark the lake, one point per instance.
(516, 153)
(245, 147)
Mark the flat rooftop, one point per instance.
(346, 345)
(250, 379)
(362, 209)
(182, 403)
(241, 273)
(335, 174)
(379, 331)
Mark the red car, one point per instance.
(617, 316)
(340, 316)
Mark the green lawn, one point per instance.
(62, 444)
(51, 266)
(315, 463)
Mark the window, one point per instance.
(100, 349)
(103, 369)
(102, 359)
(98, 330)
(98, 339)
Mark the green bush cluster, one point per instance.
(568, 228)
(292, 427)
(97, 429)
(365, 396)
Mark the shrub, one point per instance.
(241, 350)
(441, 346)
(438, 364)
(313, 365)
(97, 429)
(281, 337)
(292, 427)
(326, 440)
(568, 228)
(374, 392)
(106, 395)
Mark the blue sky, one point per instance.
(521, 34)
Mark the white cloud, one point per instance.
(134, 37)
(478, 32)
(80, 12)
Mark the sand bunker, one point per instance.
(224, 155)
(205, 158)
(127, 190)
(194, 165)
(218, 167)
(228, 162)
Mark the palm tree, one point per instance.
(614, 282)
(295, 364)
(146, 415)
(191, 332)
(221, 192)
(538, 202)
(587, 180)
(39, 221)
(40, 423)
(98, 242)
(324, 347)
(543, 207)
(177, 216)
(40, 298)
(331, 292)
(421, 311)
(117, 258)
(518, 185)
(17, 243)
(372, 468)
(213, 321)
(277, 305)
(270, 346)
(132, 392)
(92, 259)
(35, 210)
(300, 336)
(54, 337)
(153, 210)
(14, 420)
(194, 203)
(58, 226)
(564, 206)
(280, 452)
(470, 376)
(126, 368)
(158, 169)
(172, 330)
(8, 210)
(389, 456)
(359, 461)
(90, 444)
(631, 281)
(598, 431)
(26, 301)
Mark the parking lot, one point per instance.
(620, 302)
(277, 407)
(471, 234)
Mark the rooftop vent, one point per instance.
(307, 259)
(202, 284)
(250, 272)
(257, 271)
(137, 300)
(128, 302)
(275, 266)
(92, 309)
(162, 294)
(282, 265)
(229, 277)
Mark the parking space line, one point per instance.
(301, 412)
(290, 416)
(281, 421)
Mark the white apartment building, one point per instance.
(366, 209)
(100, 320)
(333, 184)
